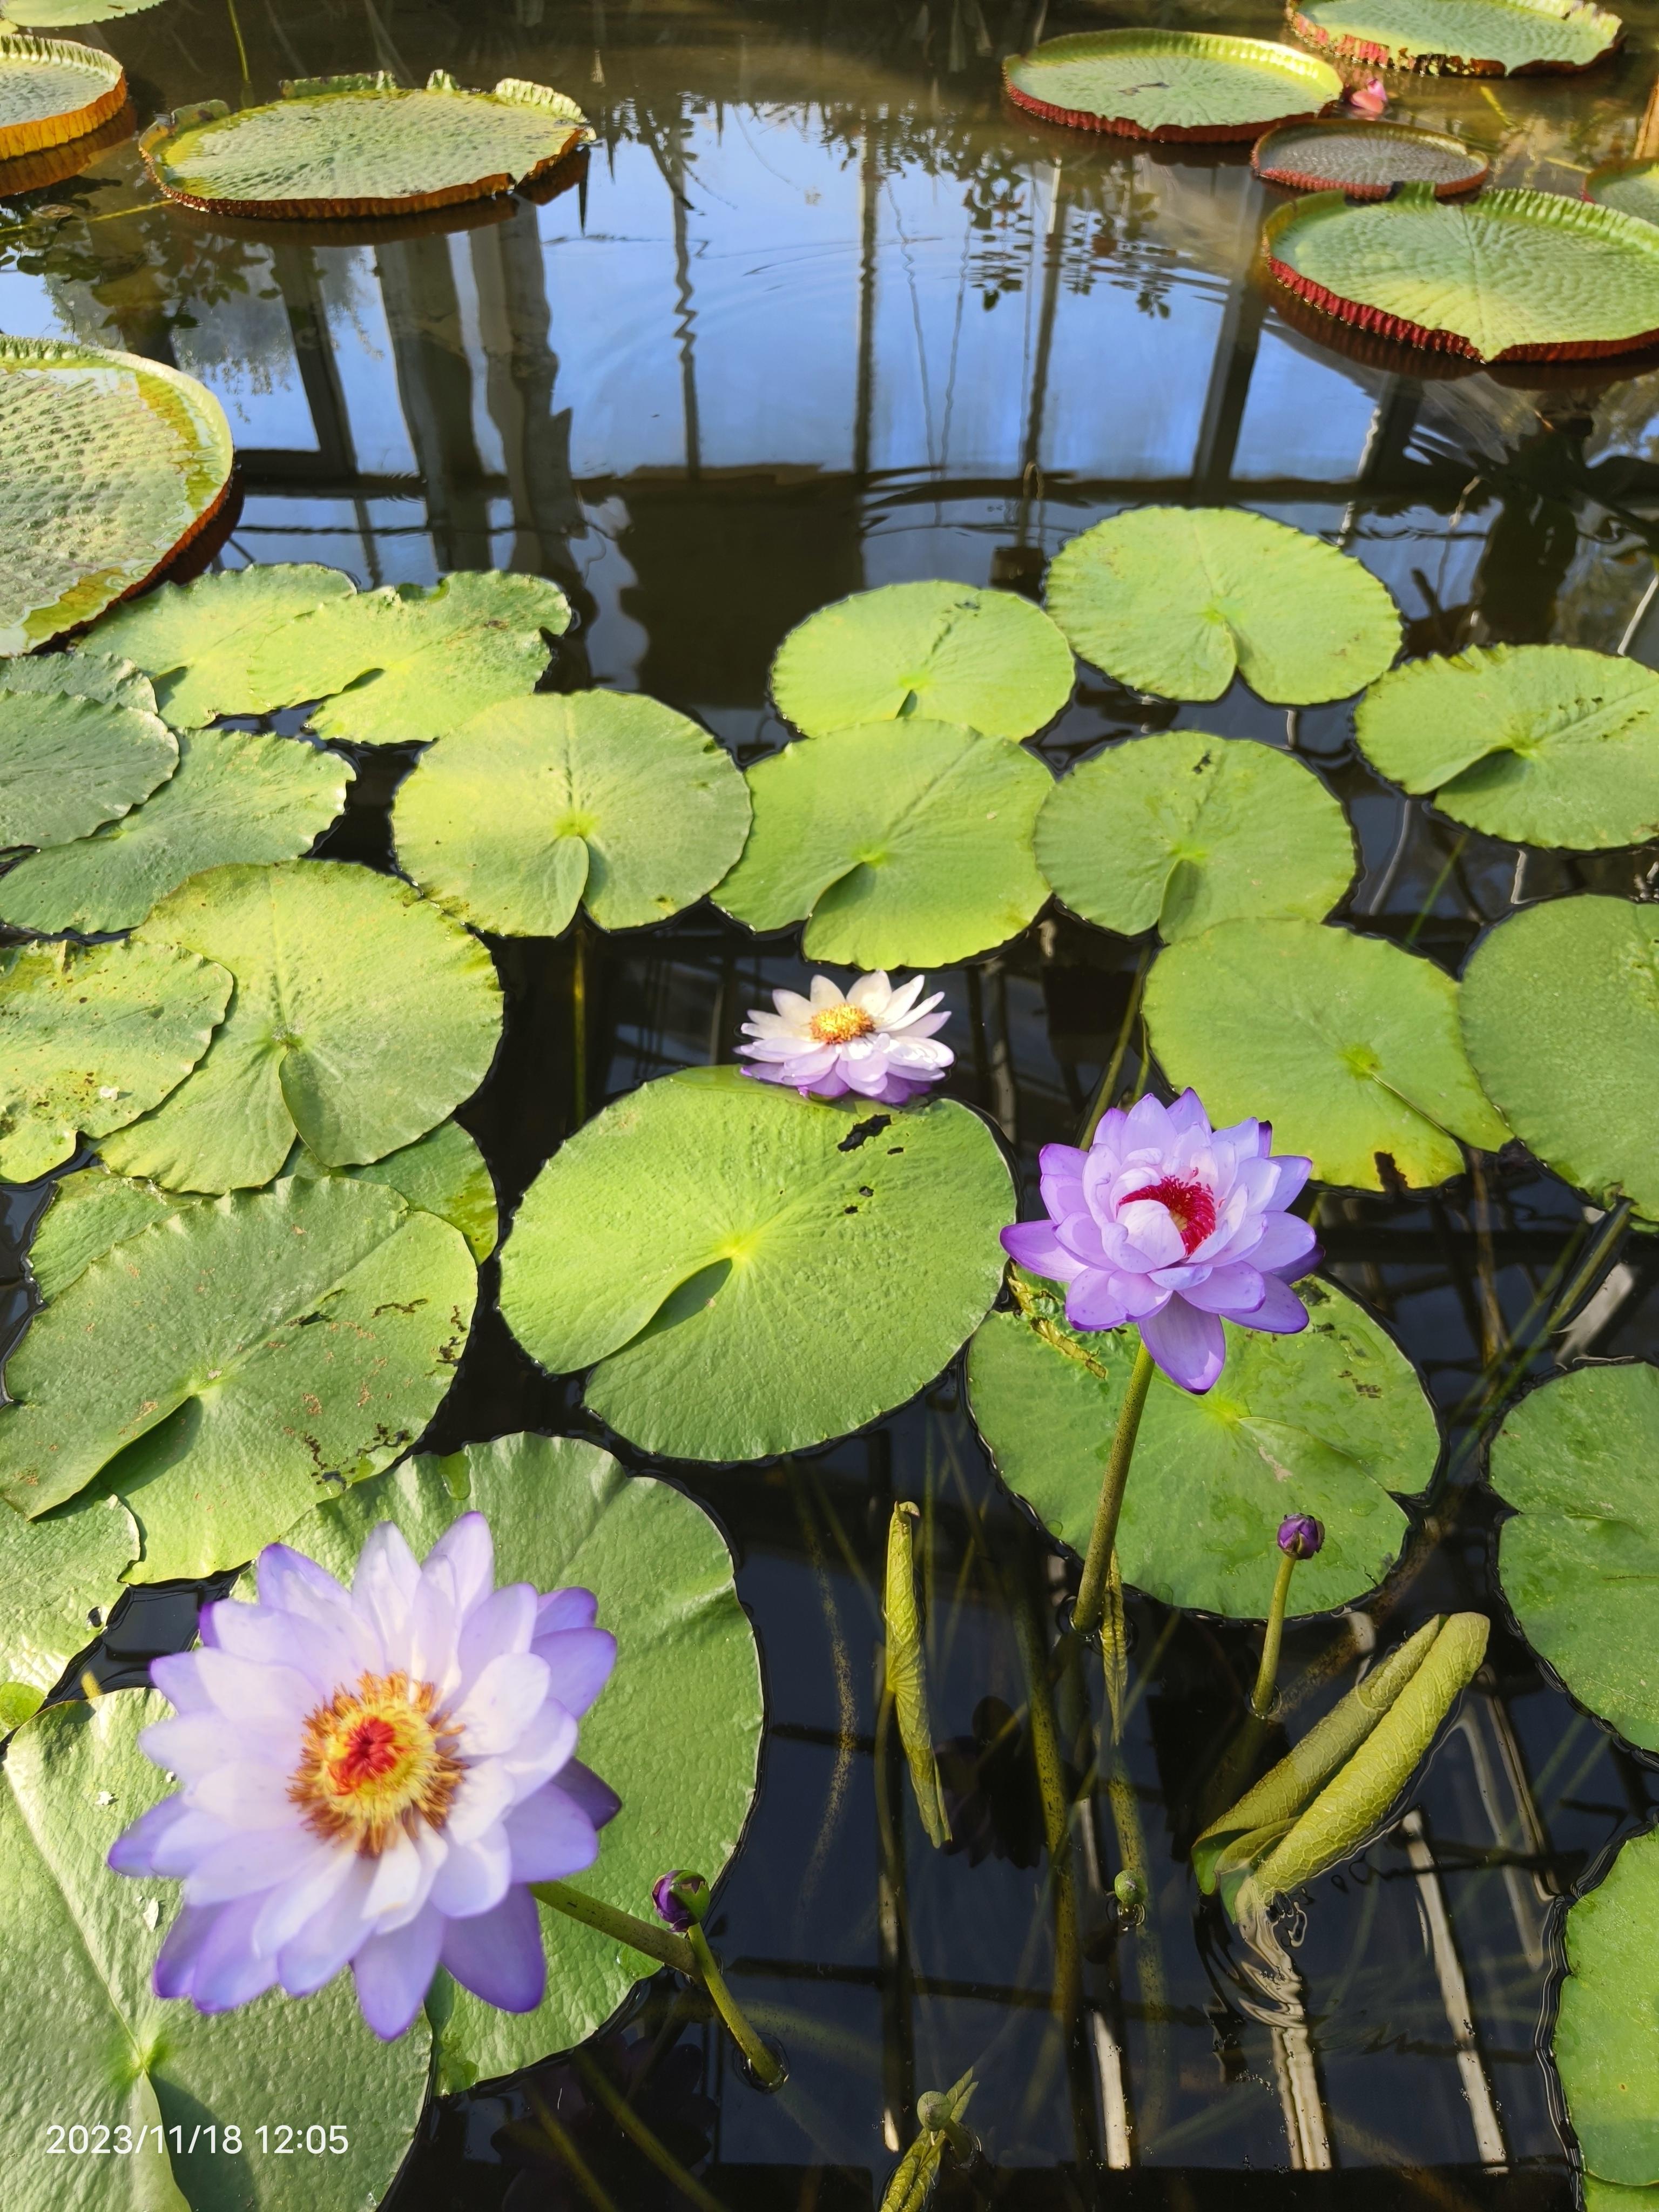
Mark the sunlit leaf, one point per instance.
(442, 1173)
(54, 1575)
(1490, 38)
(52, 90)
(1367, 160)
(1631, 187)
(1170, 84)
(90, 675)
(68, 763)
(195, 639)
(1606, 2032)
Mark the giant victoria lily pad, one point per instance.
(1514, 275)
(1367, 160)
(362, 1015)
(1630, 187)
(1560, 1008)
(1348, 1046)
(108, 465)
(1170, 84)
(1469, 38)
(1546, 744)
(1178, 600)
(899, 844)
(68, 764)
(1607, 2031)
(600, 796)
(362, 145)
(749, 1271)
(1328, 1422)
(52, 90)
(562, 1512)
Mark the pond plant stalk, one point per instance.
(1300, 1537)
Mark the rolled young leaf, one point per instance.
(907, 1674)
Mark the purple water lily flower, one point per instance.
(1175, 1226)
(372, 1777)
(876, 1041)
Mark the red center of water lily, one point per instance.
(1188, 1204)
(371, 1750)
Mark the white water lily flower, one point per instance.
(875, 1041)
(369, 1779)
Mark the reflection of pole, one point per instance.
(869, 188)
(434, 381)
(892, 1925)
(1454, 1992)
(1054, 251)
(688, 318)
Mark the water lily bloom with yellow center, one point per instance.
(876, 1041)
(372, 1777)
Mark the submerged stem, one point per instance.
(763, 2063)
(1090, 1608)
(1262, 1697)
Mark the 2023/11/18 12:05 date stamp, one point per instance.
(317, 2140)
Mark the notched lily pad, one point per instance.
(1367, 160)
(442, 1173)
(1628, 188)
(1463, 38)
(1607, 2031)
(68, 764)
(1169, 84)
(52, 90)
(54, 1574)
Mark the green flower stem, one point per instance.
(558, 2138)
(599, 2084)
(1090, 1608)
(659, 1943)
(761, 2063)
(1266, 1677)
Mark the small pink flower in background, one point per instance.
(1370, 98)
(875, 1041)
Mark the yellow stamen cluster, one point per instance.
(375, 1760)
(840, 1024)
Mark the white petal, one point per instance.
(383, 1589)
(256, 1691)
(193, 1744)
(501, 1704)
(484, 1795)
(824, 993)
(872, 992)
(245, 1795)
(401, 1879)
(900, 1001)
(470, 1551)
(433, 1627)
(326, 1656)
(793, 1007)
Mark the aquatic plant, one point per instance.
(871, 1040)
(1300, 1537)
(905, 1672)
(939, 2130)
(1472, 38)
(1181, 85)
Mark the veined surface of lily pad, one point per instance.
(1328, 1422)
(1178, 600)
(1180, 830)
(362, 1015)
(1561, 1007)
(1514, 275)
(1466, 38)
(90, 675)
(108, 465)
(228, 1367)
(344, 146)
(67, 764)
(78, 1944)
(564, 1513)
(741, 1280)
(91, 1038)
(196, 640)
(1546, 744)
(1348, 1046)
(442, 1173)
(1367, 160)
(54, 1575)
(52, 90)
(234, 797)
(602, 797)
(944, 652)
(1579, 1560)
(1630, 187)
(899, 845)
(1606, 2030)
(1169, 84)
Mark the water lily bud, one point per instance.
(680, 1898)
(1370, 98)
(1301, 1535)
(1129, 1890)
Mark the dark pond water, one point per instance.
(823, 315)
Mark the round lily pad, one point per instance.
(442, 1173)
(899, 846)
(1348, 1046)
(230, 1364)
(1465, 38)
(1547, 744)
(234, 797)
(564, 1513)
(1329, 1422)
(1512, 277)
(54, 1574)
(1178, 600)
(108, 465)
(1561, 1007)
(749, 1271)
(1179, 831)
(362, 145)
(67, 764)
(158, 2084)
(1580, 1559)
(944, 652)
(362, 1016)
(1629, 187)
(1367, 160)
(601, 796)
(52, 90)
(90, 675)
(1169, 84)
(91, 1038)
(1607, 2031)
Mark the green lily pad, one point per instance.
(1630, 187)
(1512, 276)
(362, 1016)
(91, 1211)
(1546, 744)
(598, 796)
(1178, 830)
(1348, 1046)
(1579, 1562)
(67, 764)
(1606, 2032)
(1328, 1422)
(1170, 84)
(230, 1365)
(1366, 160)
(562, 1512)
(400, 665)
(1561, 1007)
(53, 91)
(899, 847)
(363, 146)
(1177, 600)
(78, 1945)
(442, 1173)
(743, 1280)
(53, 1574)
(55, 15)
(108, 464)
(90, 675)
(234, 797)
(944, 652)
(92, 1038)
(1484, 38)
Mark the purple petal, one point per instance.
(175, 1962)
(394, 1972)
(1286, 1241)
(1093, 1302)
(1188, 1346)
(578, 1664)
(229, 1971)
(473, 1877)
(506, 1695)
(498, 1955)
(506, 1621)
(1236, 1290)
(1293, 1172)
(1188, 1113)
(245, 1866)
(566, 1608)
(596, 1799)
(134, 1851)
(551, 1837)
(467, 1549)
(1036, 1245)
(330, 1937)
(1280, 1312)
